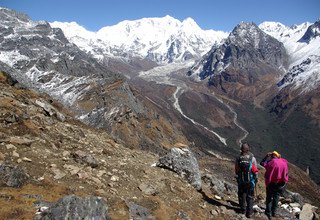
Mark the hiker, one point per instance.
(246, 171)
(276, 177)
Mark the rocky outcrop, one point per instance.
(183, 162)
(12, 176)
(74, 207)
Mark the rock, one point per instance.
(294, 197)
(15, 154)
(203, 205)
(295, 204)
(217, 197)
(148, 189)
(138, 212)
(296, 211)
(12, 176)
(65, 153)
(101, 173)
(72, 169)
(183, 215)
(219, 186)
(11, 118)
(20, 140)
(284, 206)
(214, 212)
(50, 110)
(115, 178)
(10, 146)
(183, 162)
(97, 181)
(26, 159)
(58, 174)
(83, 158)
(74, 207)
(43, 208)
(307, 212)
(83, 175)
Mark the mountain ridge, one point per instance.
(163, 40)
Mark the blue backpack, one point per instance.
(245, 174)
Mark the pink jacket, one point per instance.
(276, 171)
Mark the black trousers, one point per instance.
(274, 190)
(245, 196)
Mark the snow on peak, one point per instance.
(272, 27)
(189, 22)
(72, 29)
(299, 53)
(162, 39)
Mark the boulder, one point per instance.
(307, 212)
(219, 186)
(12, 176)
(50, 110)
(84, 158)
(74, 207)
(293, 197)
(138, 212)
(183, 162)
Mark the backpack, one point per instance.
(245, 174)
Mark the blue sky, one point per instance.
(209, 14)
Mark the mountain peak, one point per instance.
(160, 39)
(271, 26)
(189, 21)
(245, 26)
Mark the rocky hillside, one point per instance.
(46, 155)
(41, 57)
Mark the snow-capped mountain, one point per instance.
(302, 43)
(163, 40)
